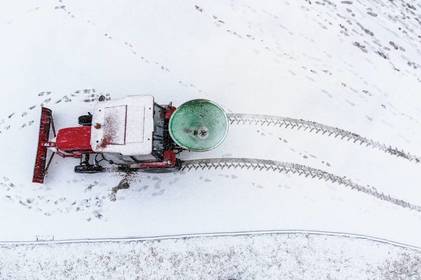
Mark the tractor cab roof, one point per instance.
(123, 126)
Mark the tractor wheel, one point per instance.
(88, 169)
(85, 120)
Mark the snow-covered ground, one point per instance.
(354, 65)
(242, 256)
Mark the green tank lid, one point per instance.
(198, 125)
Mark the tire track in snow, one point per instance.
(293, 168)
(318, 128)
(50, 204)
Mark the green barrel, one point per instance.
(198, 125)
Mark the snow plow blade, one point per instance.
(43, 138)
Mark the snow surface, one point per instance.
(349, 64)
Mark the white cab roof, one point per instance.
(123, 126)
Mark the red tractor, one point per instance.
(131, 134)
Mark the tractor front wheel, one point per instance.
(85, 120)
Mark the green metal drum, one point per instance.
(198, 125)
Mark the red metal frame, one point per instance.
(170, 160)
(43, 137)
(169, 110)
(74, 140)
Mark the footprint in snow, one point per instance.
(161, 192)
(173, 181)
(144, 188)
